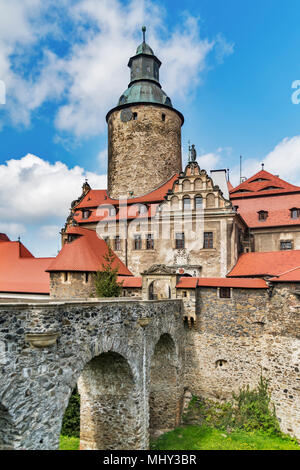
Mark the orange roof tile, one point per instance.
(95, 198)
(262, 264)
(277, 206)
(292, 275)
(187, 283)
(21, 272)
(130, 281)
(258, 185)
(85, 253)
(192, 283)
(3, 237)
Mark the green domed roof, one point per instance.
(144, 48)
(144, 92)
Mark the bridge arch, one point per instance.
(109, 404)
(164, 394)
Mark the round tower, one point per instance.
(144, 131)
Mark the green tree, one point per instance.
(106, 280)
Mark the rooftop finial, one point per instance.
(144, 33)
(263, 166)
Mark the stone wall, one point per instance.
(75, 287)
(268, 239)
(45, 349)
(237, 339)
(143, 153)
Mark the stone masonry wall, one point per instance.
(237, 339)
(143, 153)
(46, 348)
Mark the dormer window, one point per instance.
(263, 215)
(85, 214)
(71, 238)
(295, 213)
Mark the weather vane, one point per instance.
(144, 33)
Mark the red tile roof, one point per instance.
(95, 198)
(3, 237)
(192, 283)
(253, 196)
(130, 281)
(258, 185)
(85, 253)
(261, 264)
(278, 208)
(187, 283)
(21, 272)
(292, 275)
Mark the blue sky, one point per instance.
(228, 66)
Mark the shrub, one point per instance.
(250, 410)
(71, 419)
(106, 280)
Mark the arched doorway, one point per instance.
(164, 397)
(159, 289)
(109, 406)
(8, 435)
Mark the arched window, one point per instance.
(186, 185)
(186, 203)
(174, 203)
(198, 202)
(198, 183)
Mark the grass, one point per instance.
(68, 443)
(207, 438)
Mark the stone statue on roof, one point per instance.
(192, 153)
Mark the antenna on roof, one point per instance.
(144, 33)
(241, 168)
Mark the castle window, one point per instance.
(85, 214)
(179, 241)
(117, 243)
(225, 293)
(198, 202)
(86, 277)
(66, 277)
(208, 242)
(295, 213)
(163, 117)
(150, 242)
(262, 215)
(184, 293)
(135, 116)
(286, 244)
(137, 242)
(71, 238)
(186, 203)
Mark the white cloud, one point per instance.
(283, 160)
(87, 79)
(34, 191)
(213, 160)
(12, 229)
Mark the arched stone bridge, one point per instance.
(126, 357)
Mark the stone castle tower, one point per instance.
(144, 131)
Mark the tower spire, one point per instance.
(144, 33)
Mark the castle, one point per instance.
(230, 255)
